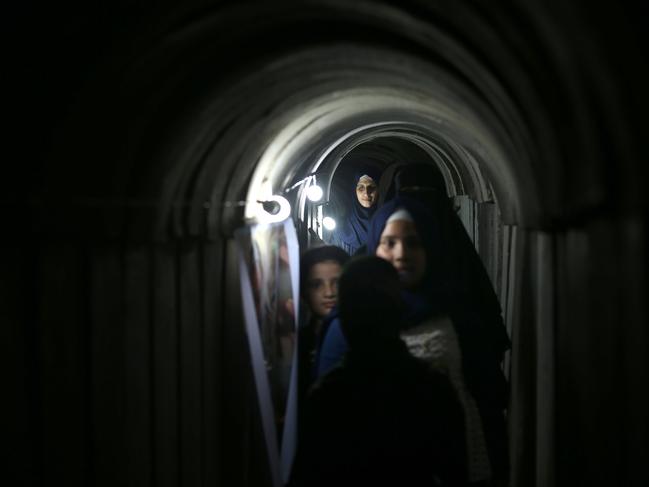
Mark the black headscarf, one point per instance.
(442, 293)
(353, 233)
(425, 184)
(439, 292)
(370, 303)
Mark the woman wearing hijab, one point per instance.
(441, 327)
(353, 233)
(424, 183)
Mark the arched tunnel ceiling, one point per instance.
(184, 118)
(394, 147)
(350, 116)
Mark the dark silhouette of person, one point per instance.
(382, 417)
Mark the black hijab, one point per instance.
(437, 293)
(440, 291)
(482, 339)
(425, 184)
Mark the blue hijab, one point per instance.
(436, 293)
(353, 234)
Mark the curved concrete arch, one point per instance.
(165, 161)
(320, 113)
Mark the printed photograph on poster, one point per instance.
(270, 261)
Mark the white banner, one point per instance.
(269, 274)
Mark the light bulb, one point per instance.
(314, 192)
(329, 223)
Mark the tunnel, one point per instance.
(146, 134)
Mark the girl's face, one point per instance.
(401, 245)
(366, 191)
(322, 287)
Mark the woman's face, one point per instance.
(401, 245)
(366, 191)
(322, 287)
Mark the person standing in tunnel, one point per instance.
(462, 264)
(383, 417)
(320, 269)
(424, 183)
(443, 327)
(353, 232)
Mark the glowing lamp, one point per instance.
(314, 193)
(329, 223)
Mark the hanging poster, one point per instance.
(269, 275)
